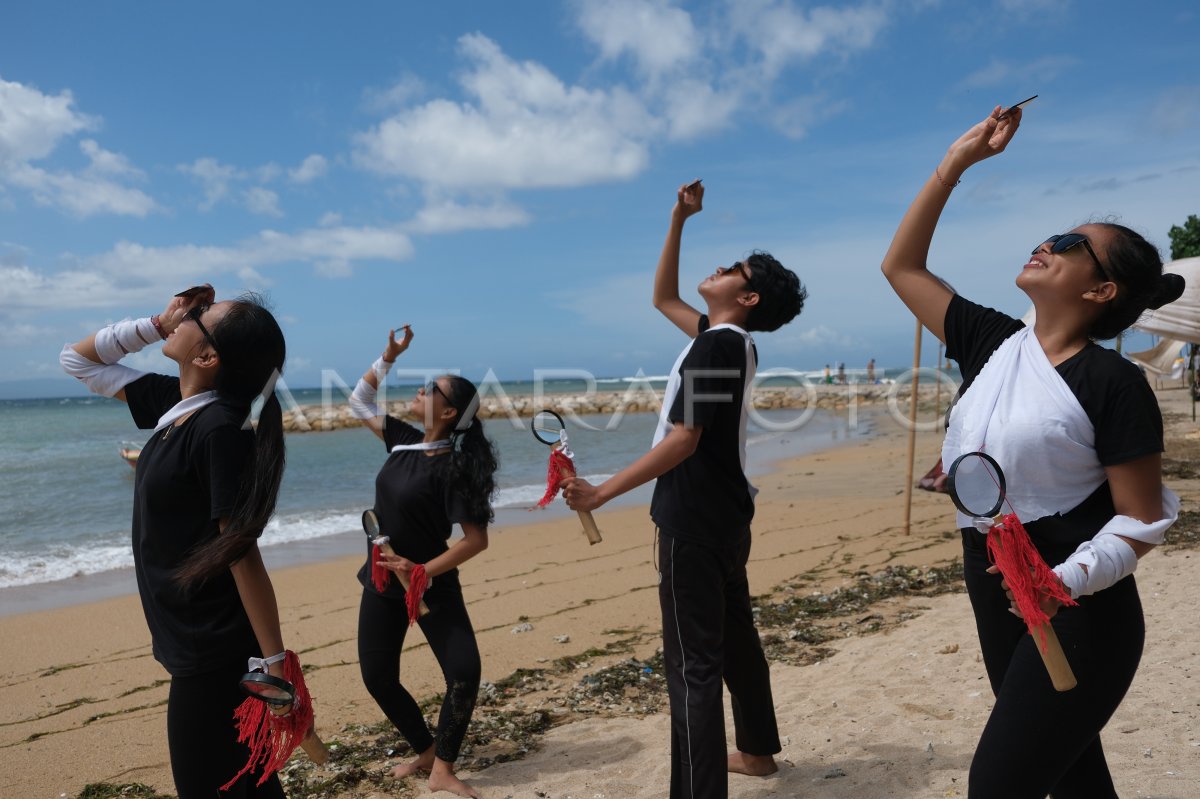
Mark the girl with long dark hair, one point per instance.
(430, 481)
(1079, 436)
(204, 489)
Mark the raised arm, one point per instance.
(689, 200)
(905, 262)
(94, 360)
(362, 401)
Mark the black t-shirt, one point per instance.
(187, 479)
(416, 507)
(706, 498)
(1113, 392)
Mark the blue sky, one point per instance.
(500, 175)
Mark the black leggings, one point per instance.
(382, 624)
(1039, 741)
(202, 738)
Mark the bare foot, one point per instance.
(445, 780)
(422, 765)
(753, 765)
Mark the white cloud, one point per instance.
(820, 337)
(783, 34)
(262, 201)
(311, 168)
(32, 124)
(214, 178)
(133, 273)
(524, 128)
(83, 194)
(18, 335)
(383, 101)
(659, 37)
(793, 118)
(694, 108)
(448, 216)
(104, 162)
(518, 125)
(268, 172)
(1033, 72)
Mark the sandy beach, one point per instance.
(887, 702)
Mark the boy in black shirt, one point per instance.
(702, 507)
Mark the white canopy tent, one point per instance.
(1178, 323)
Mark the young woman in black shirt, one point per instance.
(430, 481)
(1081, 435)
(205, 486)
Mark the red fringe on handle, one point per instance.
(380, 574)
(1027, 575)
(560, 468)
(271, 737)
(418, 581)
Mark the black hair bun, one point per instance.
(1170, 288)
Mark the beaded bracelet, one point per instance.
(937, 171)
(158, 327)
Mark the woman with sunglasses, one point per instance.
(430, 481)
(204, 489)
(1079, 436)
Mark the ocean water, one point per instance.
(66, 494)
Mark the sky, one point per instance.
(501, 175)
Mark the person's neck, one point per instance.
(189, 386)
(438, 433)
(727, 316)
(1060, 338)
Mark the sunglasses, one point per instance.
(433, 386)
(741, 269)
(194, 315)
(1067, 241)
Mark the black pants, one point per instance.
(709, 637)
(1039, 741)
(202, 738)
(382, 625)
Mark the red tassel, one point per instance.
(418, 581)
(560, 468)
(271, 737)
(1027, 575)
(380, 575)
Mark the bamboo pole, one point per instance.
(937, 401)
(912, 431)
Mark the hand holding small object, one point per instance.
(689, 199)
(581, 495)
(394, 348)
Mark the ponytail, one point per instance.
(251, 349)
(470, 468)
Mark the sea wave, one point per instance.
(65, 563)
(62, 563)
(526, 496)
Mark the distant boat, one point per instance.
(130, 451)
